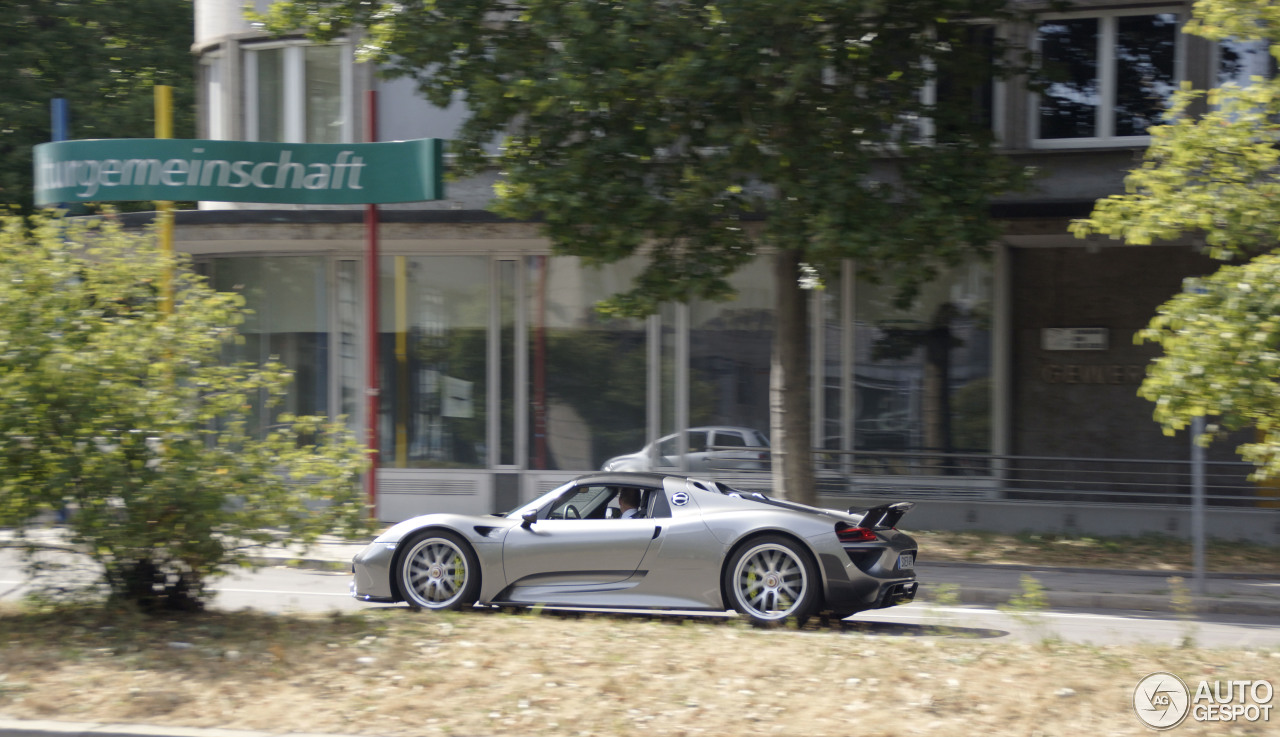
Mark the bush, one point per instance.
(117, 406)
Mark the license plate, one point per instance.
(906, 561)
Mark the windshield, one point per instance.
(537, 504)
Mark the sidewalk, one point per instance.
(1110, 589)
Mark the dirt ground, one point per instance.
(393, 672)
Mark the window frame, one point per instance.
(294, 122)
(1104, 124)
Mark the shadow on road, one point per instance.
(817, 624)
(903, 629)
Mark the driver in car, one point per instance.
(628, 501)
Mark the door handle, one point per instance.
(656, 531)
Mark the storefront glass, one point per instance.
(922, 374)
(287, 299)
(433, 317)
(730, 344)
(587, 375)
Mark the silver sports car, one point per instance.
(689, 543)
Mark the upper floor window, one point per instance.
(965, 96)
(1105, 79)
(1240, 61)
(298, 93)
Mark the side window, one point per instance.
(586, 502)
(650, 503)
(697, 441)
(660, 507)
(730, 439)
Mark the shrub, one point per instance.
(115, 403)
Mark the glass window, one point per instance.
(1105, 79)
(730, 347)
(350, 375)
(730, 440)
(433, 315)
(587, 371)
(287, 298)
(213, 69)
(583, 503)
(323, 78)
(966, 92)
(507, 362)
(297, 93)
(1069, 64)
(1145, 81)
(1240, 61)
(269, 95)
(832, 388)
(922, 374)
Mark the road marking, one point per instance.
(938, 611)
(278, 593)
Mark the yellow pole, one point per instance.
(164, 209)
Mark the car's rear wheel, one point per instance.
(771, 580)
(438, 571)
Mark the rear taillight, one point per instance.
(855, 535)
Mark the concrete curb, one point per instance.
(1188, 575)
(304, 563)
(1123, 602)
(45, 728)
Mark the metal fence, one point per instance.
(974, 476)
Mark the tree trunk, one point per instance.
(789, 403)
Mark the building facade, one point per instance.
(499, 379)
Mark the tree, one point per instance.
(122, 413)
(1211, 171)
(104, 57)
(707, 133)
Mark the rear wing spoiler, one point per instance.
(884, 516)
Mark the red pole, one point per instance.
(371, 314)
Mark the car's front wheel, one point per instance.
(439, 570)
(771, 580)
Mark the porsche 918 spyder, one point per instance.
(691, 544)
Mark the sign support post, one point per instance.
(164, 208)
(371, 312)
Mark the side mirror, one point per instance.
(529, 518)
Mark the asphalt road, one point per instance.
(283, 590)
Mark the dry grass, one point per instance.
(1147, 552)
(390, 672)
(393, 672)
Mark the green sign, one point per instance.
(169, 169)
